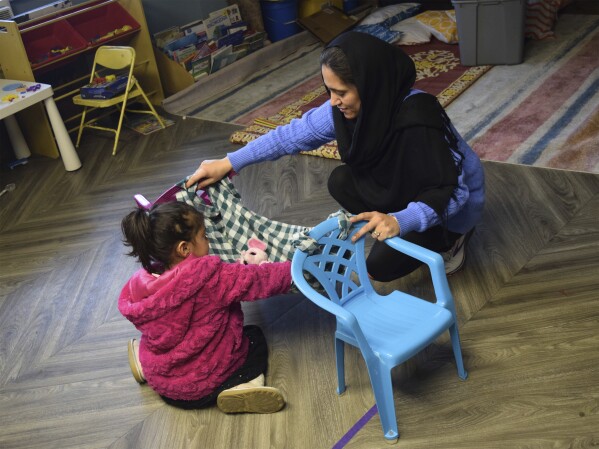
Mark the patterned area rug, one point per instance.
(545, 111)
(439, 72)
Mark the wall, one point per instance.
(160, 14)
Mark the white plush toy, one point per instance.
(255, 254)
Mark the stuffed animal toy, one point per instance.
(255, 254)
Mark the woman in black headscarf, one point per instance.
(405, 168)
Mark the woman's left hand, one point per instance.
(381, 226)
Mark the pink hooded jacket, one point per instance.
(191, 320)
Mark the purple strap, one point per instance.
(355, 428)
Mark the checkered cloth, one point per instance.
(229, 224)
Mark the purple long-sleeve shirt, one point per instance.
(315, 128)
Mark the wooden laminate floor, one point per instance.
(528, 303)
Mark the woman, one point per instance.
(406, 170)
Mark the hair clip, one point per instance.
(142, 202)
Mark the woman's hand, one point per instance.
(209, 172)
(381, 226)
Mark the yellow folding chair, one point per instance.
(116, 58)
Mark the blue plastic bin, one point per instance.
(280, 18)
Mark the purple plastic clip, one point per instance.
(167, 197)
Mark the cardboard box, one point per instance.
(327, 23)
(330, 22)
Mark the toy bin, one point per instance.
(51, 43)
(280, 18)
(106, 24)
(490, 31)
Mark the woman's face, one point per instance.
(343, 96)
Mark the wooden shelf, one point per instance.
(58, 49)
(183, 91)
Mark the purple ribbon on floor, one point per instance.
(355, 428)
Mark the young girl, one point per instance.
(194, 350)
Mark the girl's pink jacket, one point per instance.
(191, 320)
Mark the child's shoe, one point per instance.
(134, 364)
(251, 397)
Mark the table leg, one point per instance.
(65, 144)
(19, 145)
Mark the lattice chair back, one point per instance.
(338, 264)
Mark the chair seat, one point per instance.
(397, 326)
(104, 103)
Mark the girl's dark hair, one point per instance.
(154, 234)
(335, 59)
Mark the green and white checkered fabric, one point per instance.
(229, 224)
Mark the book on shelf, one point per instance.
(240, 51)
(255, 41)
(162, 38)
(217, 24)
(230, 39)
(205, 46)
(200, 66)
(182, 54)
(237, 26)
(203, 49)
(195, 27)
(182, 42)
(233, 12)
(221, 58)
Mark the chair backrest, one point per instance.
(339, 265)
(115, 57)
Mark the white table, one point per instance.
(18, 95)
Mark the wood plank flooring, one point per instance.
(527, 301)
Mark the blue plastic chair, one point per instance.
(389, 329)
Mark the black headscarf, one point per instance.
(397, 148)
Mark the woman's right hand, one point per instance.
(209, 172)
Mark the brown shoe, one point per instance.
(247, 398)
(134, 363)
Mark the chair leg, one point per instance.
(81, 126)
(340, 361)
(382, 386)
(118, 129)
(143, 94)
(457, 351)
